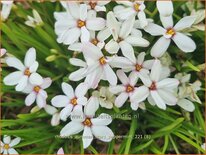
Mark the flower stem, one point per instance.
(130, 135)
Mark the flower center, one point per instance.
(37, 89)
(92, 4)
(138, 67)
(102, 60)
(119, 40)
(129, 89)
(170, 31)
(136, 7)
(80, 23)
(87, 122)
(94, 41)
(6, 146)
(74, 101)
(27, 72)
(153, 86)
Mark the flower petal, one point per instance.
(23, 82)
(160, 47)
(36, 79)
(87, 137)
(14, 62)
(140, 58)
(65, 112)
(13, 78)
(95, 24)
(165, 8)
(102, 119)
(186, 105)
(85, 35)
(126, 27)
(137, 41)
(140, 94)
(117, 89)
(121, 99)
(74, 9)
(46, 83)
(77, 75)
(170, 83)
(68, 90)
(185, 43)
(15, 141)
(167, 96)
(34, 67)
(127, 51)
(60, 101)
(30, 57)
(158, 100)
(142, 18)
(12, 151)
(81, 89)
(91, 107)
(112, 47)
(77, 62)
(122, 77)
(156, 71)
(110, 75)
(82, 101)
(167, 22)
(72, 128)
(6, 139)
(83, 12)
(102, 133)
(60, 151)
(41, 101)
(30, 98)
(120, 62)
(185, 22)
(154, 29)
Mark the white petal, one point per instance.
(74, 9)
(102, 133)
(137, 41)
(14, 62)
(60, 151)
(117, 89)
(72, 128)
(30, 57)
(158, 100)
(35, 79)
(95, 24)
(30, 98)
(60, 101)
(41, 101)
(7, 139)
(167, 96)
(168, 83)
(110, 75)
(91, 107)
(12, 151)
(34, 67)
(65, 112)
(68, 90)
(82, 101)
(148, 64)
(103, 34)
(134, 105)
(121, 99)
(15, 142)
(50, 109)
(156, 71)
(122, 77)
(102, 119)
(140, 94)
(77, 114)
(185, 43)
(77, 75)
(160, 47)
(127, 51)
(123, 14)
(167, 22)
(13, 78)
(133, 78)
(23, 82)
(55, 119)
(186, 105)
(85, 35)
(185, 22)
(83, 12)
(145, 79)
(142, 19)
(87, 137)
(94, 78)
(154, 29)
(121, 62)
(112, 47)
(127, 26)
(77, 62)
(81, 89)
(140, 58)
(46, 83)
(165, 8)
(75, 47)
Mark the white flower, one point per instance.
(161, 91)
(171, 32)
(203, 146)
(6, 9)
(91, 126)
(105, 97)
(132, 8)
(55, 114)
(71, 100)
(8, 144)
(97, 5)
(122, 37)
(127, 89)
(98, 66)
(27, 72)
(37, 92)
(60, 151)
(137, 65)
(2, 52)
(75, 23)
(34, 21)
(165, 8)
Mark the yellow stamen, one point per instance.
(102, 61)
(95, 41)
(92, 4)
(6, 146)
(170, 32)
(87, 122)
(74, 101)
(119, 40)
(37, 89)
(27, 72)
(136, 7)
(81, 23)
(138, 67)
(129, 89)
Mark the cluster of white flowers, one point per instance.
(108, 48)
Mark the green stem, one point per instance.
(131, 135)
(174, 145)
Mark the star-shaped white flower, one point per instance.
(71, 100)
(75, 23)
(98, 66)
(27, 72)
(55, 114)
(131, 8)
(34, 21)
(8, 144)
(123, 38)
(127, 89)
(161, 91)
(171, 32)
(37, 92)
(97, 5)
(91, 126)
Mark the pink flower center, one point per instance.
(87, 122)
(129, 88)
(153, 86)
